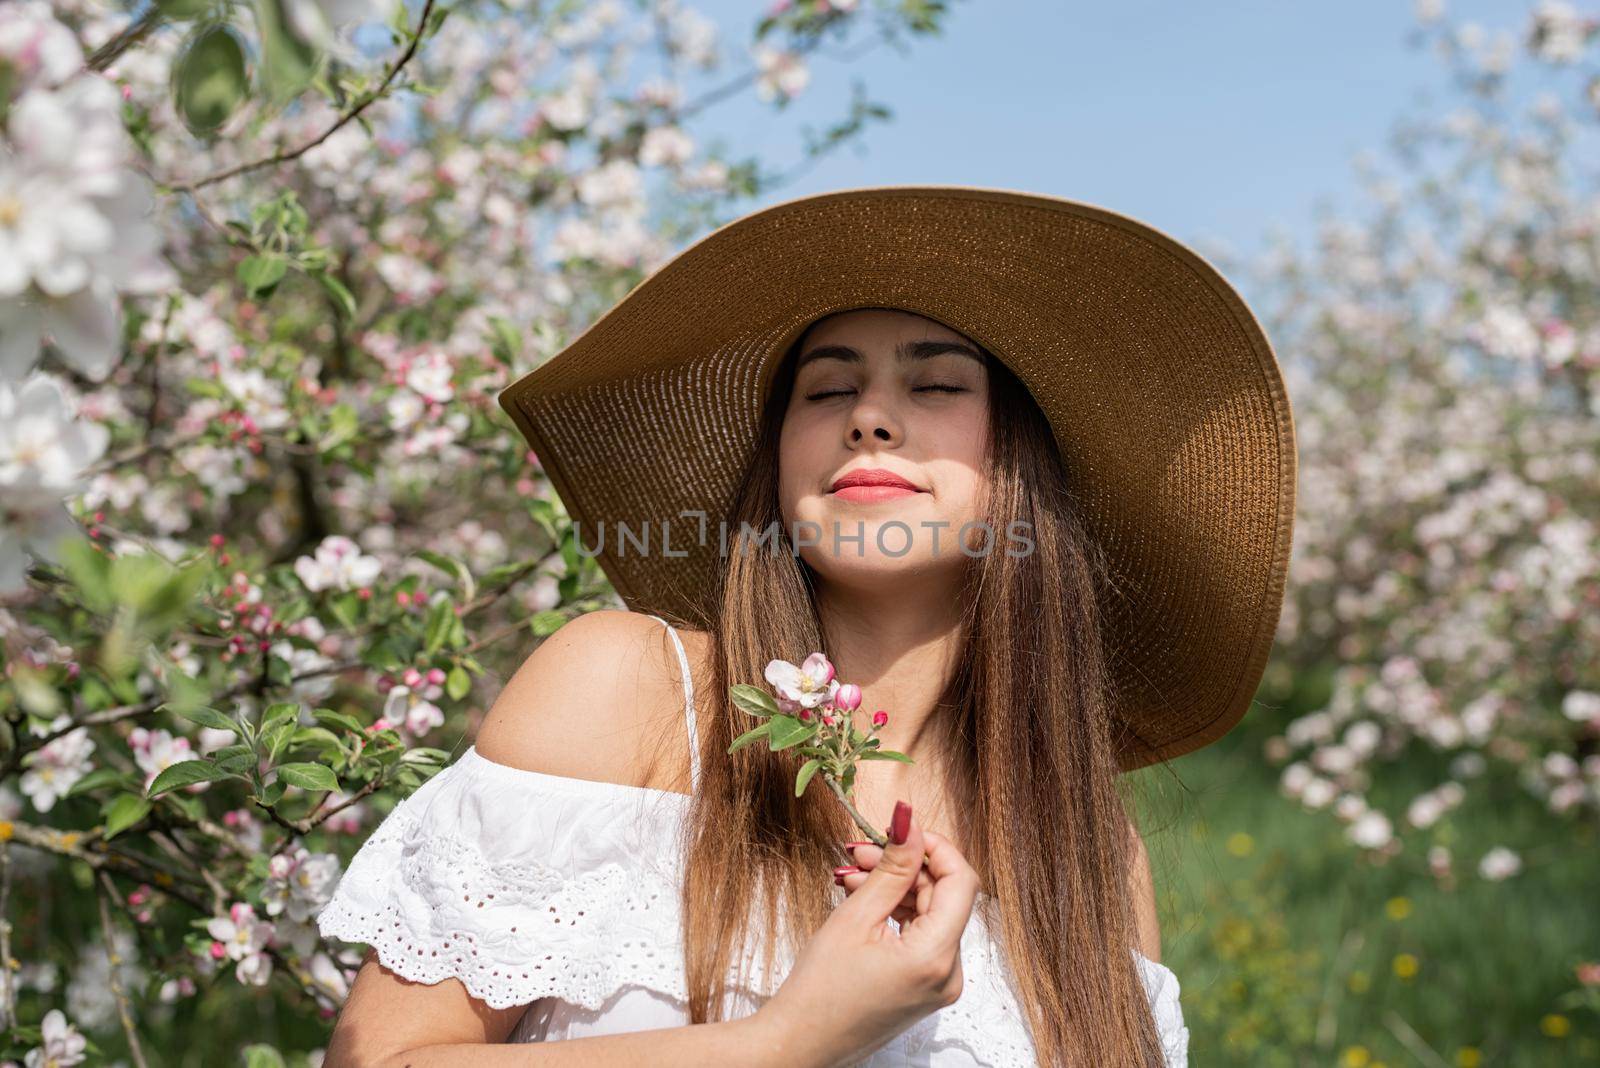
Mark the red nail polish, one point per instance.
(850, 847)
(844, 869)
(900, 826)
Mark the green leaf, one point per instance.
(346, 609)
(209, 80)
(507, 340)
(308, 776)
(753, 699)
(35, 693)
(458, 683)
(425, 755)
(328, 717)
(90, 572)
(788, 731)
(496, 577)
(886, 754)
(210, 717)
(261, 1056)
(237, 759)
(122, 812)
(260, 275)
(100, 778)
(804, 778)
(749, 736)
(288, 63)
(280, 713)
(175, 600)
(274, 738)
(185, 773)
(136, 578)
(342, 297)
(193, 809)
(182, 9)
(441, 620)
(544, 624)
(344, 423)
(452, 567)
(319, 736)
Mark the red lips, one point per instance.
(873, 476)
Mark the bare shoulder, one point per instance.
(601, 698)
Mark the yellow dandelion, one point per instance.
(1355, 1057)
(1359, 982)
(1555, 1025)
(1405, 965)
(1469, 1057)
(1241, 844)
(1398, 908)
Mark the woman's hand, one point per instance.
(857, 983)
(865, 856)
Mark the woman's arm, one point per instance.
(587, 703)
(390, 1022)
(1144, 898)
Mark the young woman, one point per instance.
(1048, 568)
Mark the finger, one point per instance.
(890, 879)
(854, 880)
(943, 916)
(865, 856)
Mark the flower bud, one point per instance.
(827, 719)
(880, 719)
(848, 697)
(805, 715)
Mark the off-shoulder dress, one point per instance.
(562, 895)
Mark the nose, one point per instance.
(872, 418)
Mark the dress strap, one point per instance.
(688, 706)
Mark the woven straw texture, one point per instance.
(1160, 385)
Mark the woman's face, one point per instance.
(882, 391)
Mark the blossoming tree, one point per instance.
(263, 270)
(1444, 595)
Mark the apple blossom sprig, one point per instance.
(815, 712)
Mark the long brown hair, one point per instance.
(1025, 743)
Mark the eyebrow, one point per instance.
(906, 352)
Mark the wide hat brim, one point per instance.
(1161, 387)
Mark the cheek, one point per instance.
(797, 463)
(959, 470)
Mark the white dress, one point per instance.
(561, 894)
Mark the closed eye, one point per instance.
(920, 389)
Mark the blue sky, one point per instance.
(1212, 121)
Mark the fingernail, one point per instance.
(900, 826)
(840, 872)
(850, 847)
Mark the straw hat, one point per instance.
(1161, 387)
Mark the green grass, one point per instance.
(1287, 950)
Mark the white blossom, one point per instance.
(338, 564)
(60, 1043)
(1499, 863)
